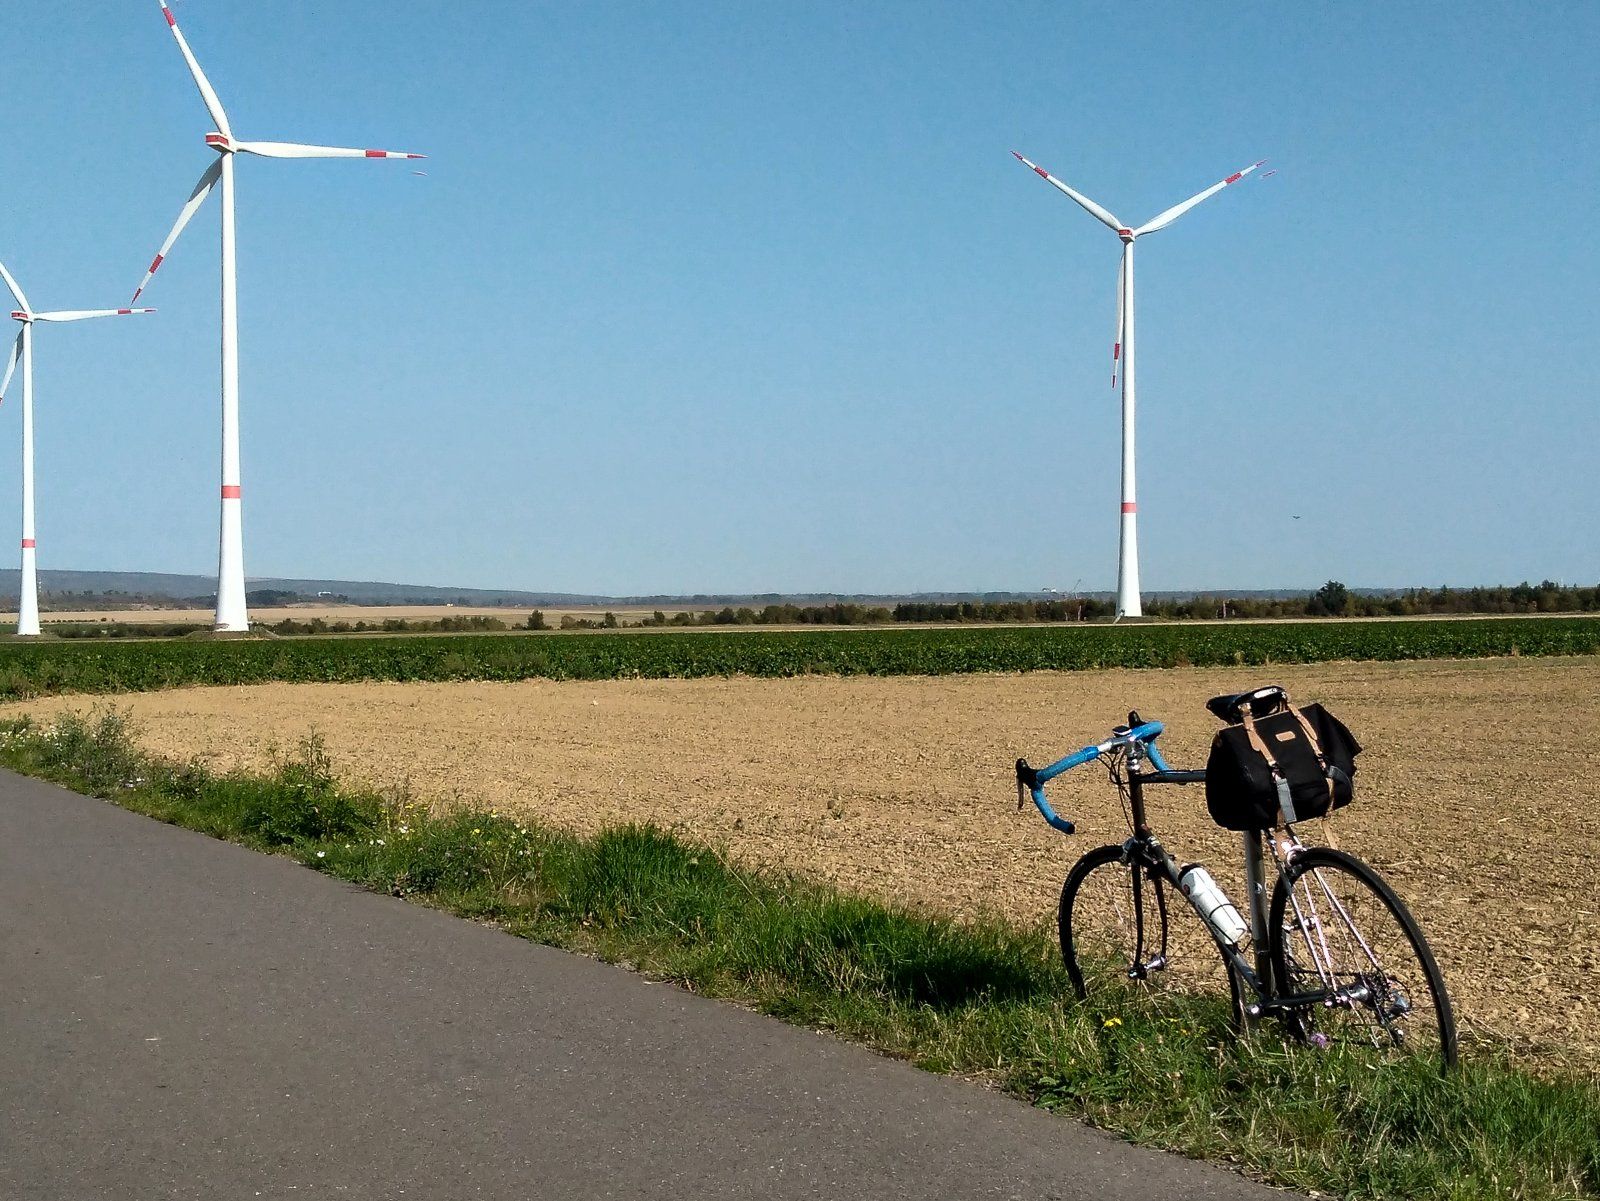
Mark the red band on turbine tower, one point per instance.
(28, 544)
(230, 492)
(1129, 507)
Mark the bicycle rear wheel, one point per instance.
(1340, 931)
(1126, 932)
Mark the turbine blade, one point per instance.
(11, 364)
(1088, 206)
(196, 199)
(207, 92)
(16, 290)
(1178, 210)
(85, 314)
(296, 150)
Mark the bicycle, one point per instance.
(1344, 962)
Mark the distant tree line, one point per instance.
(840, 614)
(473, 623)
(1333, 599)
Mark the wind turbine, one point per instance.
(22, 351)
(1128, 604)
(232, 613)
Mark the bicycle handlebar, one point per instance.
(1031, 780)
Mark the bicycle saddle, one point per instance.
(1271, 699)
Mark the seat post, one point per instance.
(1255, 884)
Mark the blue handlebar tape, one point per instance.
(1049, 814)
(1147, 734)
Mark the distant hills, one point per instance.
(98, 589)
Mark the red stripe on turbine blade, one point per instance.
(1116, 351)
(230, 492)
(1040, 171)
(122, 312)
(1237, 175)
(28, 544)
(171, 20)
(155, 263)
(377, 154)
(1129, 507)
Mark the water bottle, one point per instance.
(1212, 904)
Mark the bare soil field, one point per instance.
(1478, 794)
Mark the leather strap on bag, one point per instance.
(1311, 737)
(1286, 811)
(1316, 748)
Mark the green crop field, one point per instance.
(35, 669)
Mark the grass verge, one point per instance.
(983, 999)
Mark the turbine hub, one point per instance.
(219, 143)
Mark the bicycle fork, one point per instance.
(1141, 967)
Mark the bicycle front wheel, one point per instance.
(1126, 932)
(1343, 939)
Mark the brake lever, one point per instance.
(1027, 779)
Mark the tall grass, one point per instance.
(984, 999)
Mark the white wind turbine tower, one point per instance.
(231, 610)
(1128, 603)
(22, 351)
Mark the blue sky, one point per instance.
(727, 296)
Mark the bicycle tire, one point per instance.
(1379, 1003)
(1095, 935)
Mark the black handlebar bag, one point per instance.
(1283, 767)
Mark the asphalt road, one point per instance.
(181, 1018)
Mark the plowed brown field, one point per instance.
(1479, 792)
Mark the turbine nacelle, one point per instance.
(21, 315)
(1127, 235)
(221, 143)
